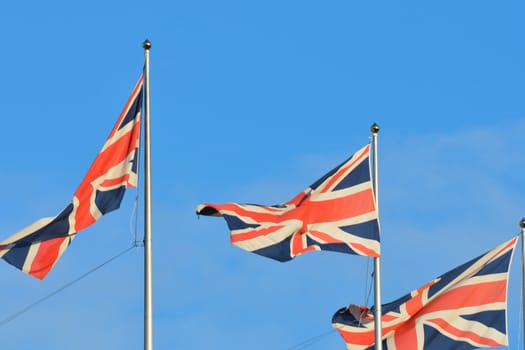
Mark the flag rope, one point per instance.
(133, 221)
(65, 286)
(368, 283)
(306, 343)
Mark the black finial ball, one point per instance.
(146, 44)
(522, 223)
(374, 128)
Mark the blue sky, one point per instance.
(252, 102)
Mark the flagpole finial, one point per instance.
(374, 128)
(522, 223)
(146, 45)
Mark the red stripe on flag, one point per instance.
(126, 108)
(240, 211)
(108, 158)
(45, 257)
(357, 338)
(299, 245)
(254, 233)
(481, 293)
(328, 186)
(116, 181)
(460, 333)
(336, 209)
(364, 250)
(324, 237)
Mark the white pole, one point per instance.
(148, 290)
(377, 267)
(522, 225)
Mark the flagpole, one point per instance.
(522, 225)
(148, 289)
(377, 267)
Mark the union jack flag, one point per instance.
(463, 309)
(337, 213)
(36, 248)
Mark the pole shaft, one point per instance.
(377, 266)
(522, 225)
(148, 290)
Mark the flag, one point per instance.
(36, 248)
(337, 212)
(465, 308)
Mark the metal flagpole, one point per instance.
(522, 225)
(377, 268)
(148, 290)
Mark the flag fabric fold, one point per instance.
(466, 308)
(36, 248)
(336, 213)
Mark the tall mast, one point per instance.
(377, 267)
(522, 225)
(148, 290)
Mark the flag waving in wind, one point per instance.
(36, 248)
(337, 213)
(463, 309)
